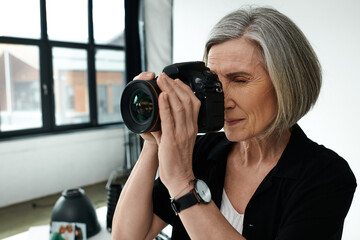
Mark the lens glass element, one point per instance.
(141, 107)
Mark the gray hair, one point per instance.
(288, 57)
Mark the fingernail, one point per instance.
(136, 77)
(148, 74)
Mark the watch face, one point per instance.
(203, 191)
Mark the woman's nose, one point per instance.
(228, 99)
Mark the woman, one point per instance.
(267, 179)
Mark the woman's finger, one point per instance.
(145, 76)
(191, 99)
(176, 107)
(167, 120)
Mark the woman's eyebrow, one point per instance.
(235, 74)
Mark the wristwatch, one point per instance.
(199, 194)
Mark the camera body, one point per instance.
(139, 101)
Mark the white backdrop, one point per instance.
(332, 27)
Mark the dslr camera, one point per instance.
(139, 100)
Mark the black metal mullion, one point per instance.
(110, 47)
(17, 40)
(132, 42)
(47, 93)
(55, 43)
(91, 67)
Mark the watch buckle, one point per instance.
(174, 207)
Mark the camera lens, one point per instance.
(139, 106)
(142, 107)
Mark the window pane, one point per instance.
(67, 20)
(110, 67)
(20, 98)
(20, 18)
(109, 23)
(70, 86)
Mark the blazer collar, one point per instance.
(292, 158)
(288, 166)
(289, 162)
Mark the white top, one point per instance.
(234, 218)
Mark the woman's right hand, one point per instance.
(149, 137)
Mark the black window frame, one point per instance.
(132, 67)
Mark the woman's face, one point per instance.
(250, 99)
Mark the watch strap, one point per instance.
(184, 202)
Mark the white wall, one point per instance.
(332, 27)
(39, 166)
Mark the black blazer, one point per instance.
(305, 196)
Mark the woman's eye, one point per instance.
(240, 80)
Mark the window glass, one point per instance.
(20, 98)
(70, 86)
(109, 21)
(110, 67)
(67, 20)
(16, 21)
(24, 81)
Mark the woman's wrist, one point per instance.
(148, 144)
(149, 153)
(180, 188)
(185, 190)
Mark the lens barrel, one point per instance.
(139, 106)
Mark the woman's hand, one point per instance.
(179, 108)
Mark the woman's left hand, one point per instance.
(179, 109)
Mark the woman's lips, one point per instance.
(231, 122)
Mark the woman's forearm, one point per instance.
(199, 222)
(134, 211)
